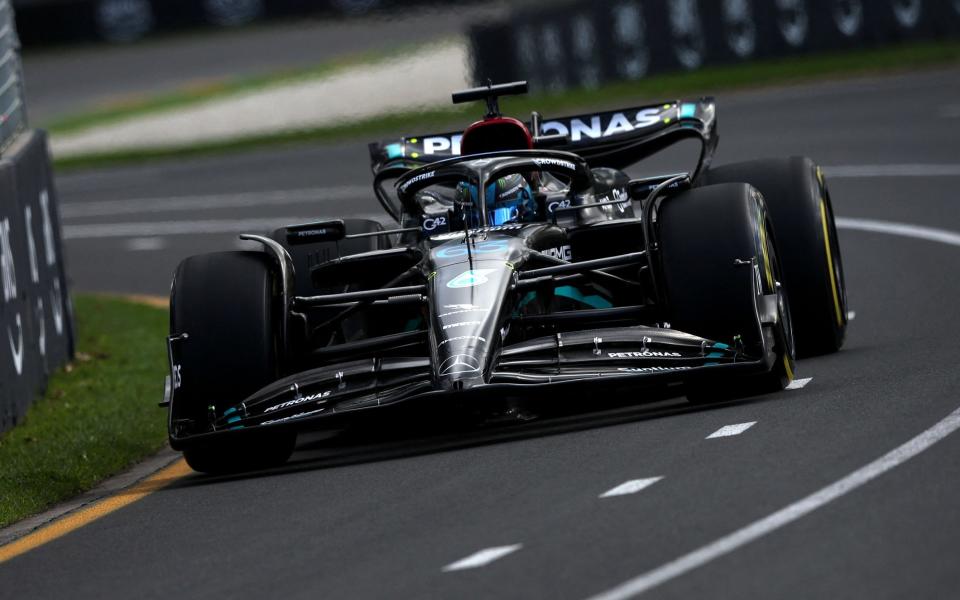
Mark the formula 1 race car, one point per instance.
(524, 263)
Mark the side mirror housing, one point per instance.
(640, 189)
(319, 231)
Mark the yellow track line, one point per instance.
(98, 510)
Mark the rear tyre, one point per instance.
(228, 305)
(799, 205)
(714, 247)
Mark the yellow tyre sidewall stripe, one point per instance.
(98, 510)
(768, 268)
(830, 269)
(787, 367)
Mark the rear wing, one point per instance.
(617, 138)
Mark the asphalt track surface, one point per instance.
(369, 519)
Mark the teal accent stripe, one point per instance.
(688, 110)
(527, 299)
(573, 293)
(394, 151)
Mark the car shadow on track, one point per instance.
(387, 441)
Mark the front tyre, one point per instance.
(261, 451)
(228, 304)
(798, 200)
(719, 263)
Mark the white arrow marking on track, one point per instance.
(482, 557)
(728, 430)
(796, 384)
(630, 487)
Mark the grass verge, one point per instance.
(796, 69)
(99, 415)
(216, 88)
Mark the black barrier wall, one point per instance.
(585, 43)
(36, 324)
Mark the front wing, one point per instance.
(612, 357)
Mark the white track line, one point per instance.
(901, 170)
(851, 315)
(482, 557)
(729, 430)
(108, 208)
(630, 487)
(159, 228)
(145, 244)
(757, 529)
(784, 516)
(162, 228)
(797, 384)
(930, 234)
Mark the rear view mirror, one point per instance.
(640, 189)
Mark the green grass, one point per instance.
(711, 80)
(99, 415)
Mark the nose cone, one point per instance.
(460, 364)
(463, 370)
(467, 308)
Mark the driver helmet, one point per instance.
(509, 200)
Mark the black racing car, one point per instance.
(524, 263)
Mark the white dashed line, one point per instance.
(728, 430)
(796, 384)
(851, 315)
(630, 487)
(482, 558)
(784, 516)
(143, 244)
